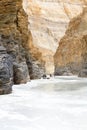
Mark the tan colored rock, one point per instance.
(48, 21)
(72, 51)
(14, 32)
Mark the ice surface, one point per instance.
(59, 103)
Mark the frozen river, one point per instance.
(56, 104)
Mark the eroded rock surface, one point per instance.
(14, 33)
(21, 74)
(48, 21)
(6, 72)
(72, 51)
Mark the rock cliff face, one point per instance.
(14, 37)
(6, 72)
(48, 21)
(72, 52)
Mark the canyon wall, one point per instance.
(71, 56)
(14, 36)
(48, 21)
(30, 33)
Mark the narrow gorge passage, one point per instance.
(48, 21)
(43, 38)
(59, 103)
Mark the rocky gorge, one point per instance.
(14, 38)
(48, 22)
(41, 37)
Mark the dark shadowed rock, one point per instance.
(6, 72)
(21, 74)
(36, 70)
(63, 71)
(83, 73)
(44, 76)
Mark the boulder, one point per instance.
(44, 76)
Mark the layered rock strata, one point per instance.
(72, 52)
(48, 21)
(14, 36)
